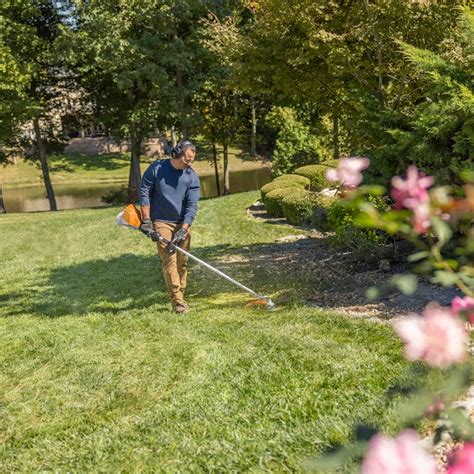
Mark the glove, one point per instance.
(155, 236)
(147, 227)
(179, 237)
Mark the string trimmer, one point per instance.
(131, 217)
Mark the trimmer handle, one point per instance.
(156, 237)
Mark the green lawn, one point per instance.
(103, 168)
(98, 375)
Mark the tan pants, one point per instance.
(175, 265)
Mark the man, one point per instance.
(169, 195)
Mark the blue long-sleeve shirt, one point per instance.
(172, 194)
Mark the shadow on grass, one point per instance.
(118, 284)
(131, 282)
(287, 271)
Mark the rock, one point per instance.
(328, 192)
(466, 405)
(291, 238)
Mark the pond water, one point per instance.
(73, 196)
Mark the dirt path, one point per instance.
(338, 280)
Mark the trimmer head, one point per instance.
(270, 306)
(266, 303)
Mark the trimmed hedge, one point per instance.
(266, 188)
(319, 218)
(342, 219)
(293, 178)
(298, 206)
(316, 174)
(274, 198)
(331, 163)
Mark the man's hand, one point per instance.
(147, 227)
(179, 237)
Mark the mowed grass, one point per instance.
(97, 374)
(80, 168)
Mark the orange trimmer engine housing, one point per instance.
(130, 217)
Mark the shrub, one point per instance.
(298, 206)
(316, 174)
(115, 197)
(273, 199)
(341, 219)
(330, 163)
(293, 178)
(265, 189)
(319, 217)
(295, 145)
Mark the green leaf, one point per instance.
(364, 220)
(462, 426)
(372, 189)
(414, 406)
(414, 257)
(441, 230)
(373, 293)
(445, 278)
(406, 283)
(456, 381)
(335, 459)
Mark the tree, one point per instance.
(30, 81)
(140, 63)
(438, 132)
(342, 56)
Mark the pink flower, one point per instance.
(465, 305)
(348, 171)
(402, 455)
(413, 191)
(421, 219)
(463, 460)
(437, 338)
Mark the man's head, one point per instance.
(184, 153)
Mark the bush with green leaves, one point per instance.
(115, 197)
(330, 163)
(342, 219)
(273, 199)
(293, 178)
(298, 206)
(437, 133)
(295, 145)
(264, 190)
(319, 217)
(316, 174)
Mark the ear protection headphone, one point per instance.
(181, 147)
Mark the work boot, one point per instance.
(180, 308)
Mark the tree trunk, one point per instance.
(226, 167)
(174, 140)
(216, 168)
(134, 176)
(335, 136)
(235, 107)
(182, 105)
(253, 136)
(378, 42)
(44, 165)
(380, 75)
(2, 205)
(181, 98)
